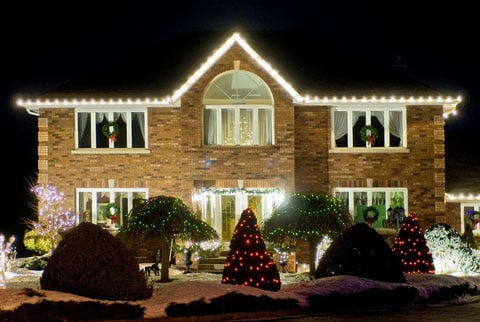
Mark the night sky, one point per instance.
(47, 43)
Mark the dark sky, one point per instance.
(46, 43)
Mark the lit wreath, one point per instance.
(370, 219)
(106, 209)
(111, 133)
(369, 138)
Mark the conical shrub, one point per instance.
(91, 262)
(360, 251)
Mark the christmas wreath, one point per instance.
(111, 130)
(475, 218)
(109, 208)
(370, 215)
(369, 134)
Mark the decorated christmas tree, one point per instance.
(248, 262)
(410, 245)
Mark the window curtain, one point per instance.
(265, 127)
(246, 126)
(341, 122)
(141, 123)
(100, 116)
(210, 127)
(340, 126)
(82, 124)
(380, 117)
(228, 126)
(123, 115)
(395, 124)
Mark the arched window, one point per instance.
(238, 110)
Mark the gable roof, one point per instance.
(303, 64)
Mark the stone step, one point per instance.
(213, 260)
(212, 264)
(212, 268)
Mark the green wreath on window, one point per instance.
(111, 130)
(370, 214)
(107, 210)
(371, 136)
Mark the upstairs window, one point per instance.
(129, 128)
(238, 125)
(238, 110)
(388, 123)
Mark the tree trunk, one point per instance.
(164, 272)
(312, 252)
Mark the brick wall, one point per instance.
(299, 161)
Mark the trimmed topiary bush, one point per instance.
(361, 251)
(91, 262)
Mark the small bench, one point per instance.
(152, 268)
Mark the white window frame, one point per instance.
(369, 191)
(110, 113)
(270, 201)
(476, 206)
(386, 108)
(111, 191)
(255, 123)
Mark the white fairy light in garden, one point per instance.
(322, 247)
(52, 217)
(3, 264)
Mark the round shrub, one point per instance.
(36, 242)
(361, 251)
(450, 253)
(91, 262)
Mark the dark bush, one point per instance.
(372, 299)
(230, 303)
(91, 262)
(53, 311)
(361, 251)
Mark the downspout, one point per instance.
(31, 112)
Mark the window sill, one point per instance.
(112, 151)
(236, 147)
(369, 150)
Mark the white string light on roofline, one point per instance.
(448, 102)
(463, 197)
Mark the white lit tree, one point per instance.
(450, 253)
(3, 280)
(53, 218)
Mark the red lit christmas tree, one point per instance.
(248, 262)
(410, 245)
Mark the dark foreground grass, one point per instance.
(234, 302)
(230, 303)
(72, 311)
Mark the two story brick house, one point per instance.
(229, 121)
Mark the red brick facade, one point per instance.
(301, 159)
